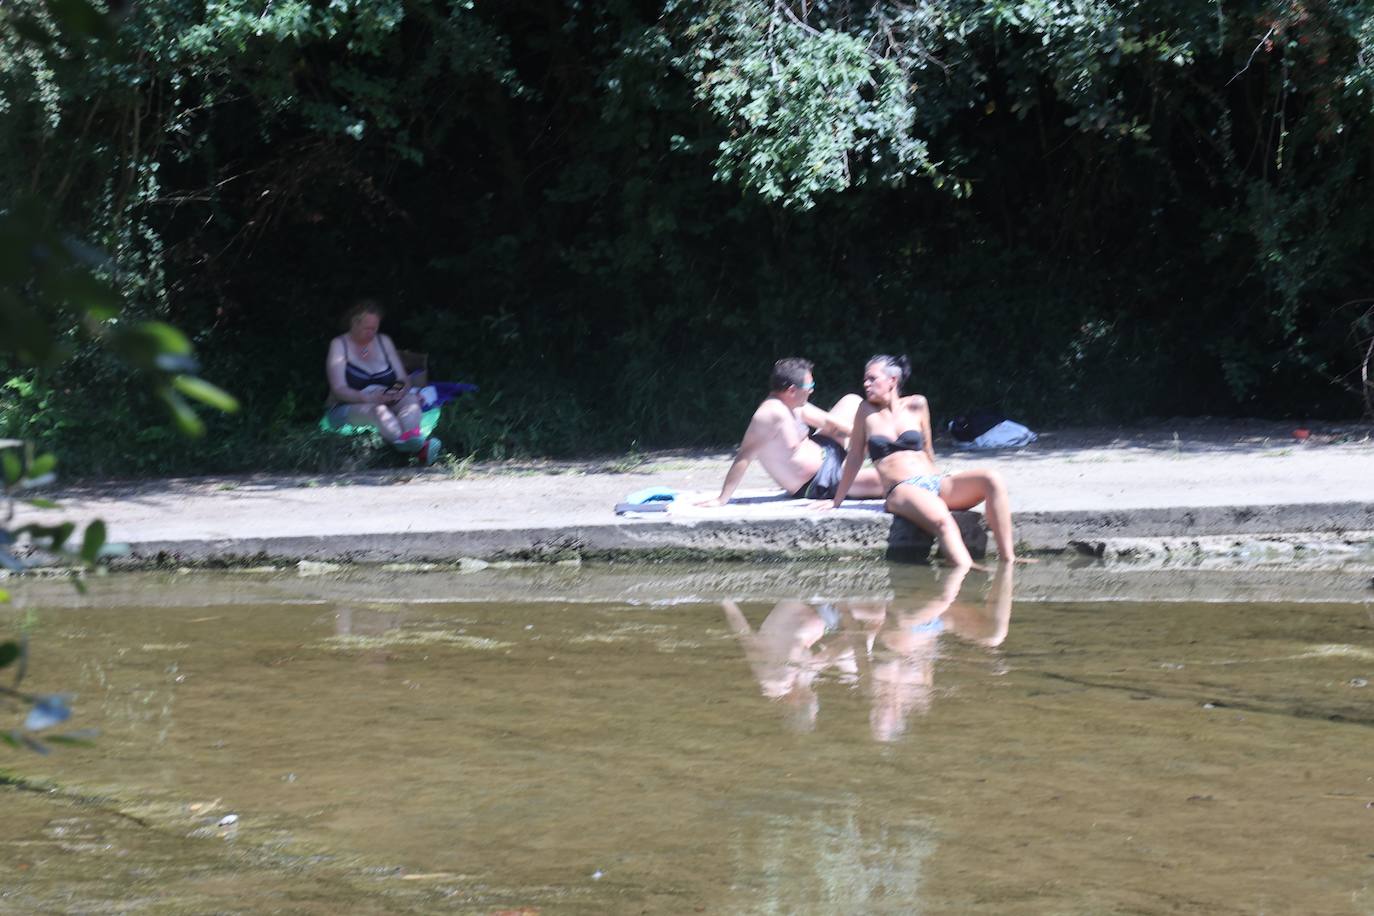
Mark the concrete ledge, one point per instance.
(1101, 534)
(1045, 530)
(645, 540)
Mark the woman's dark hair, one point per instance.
(359, 309)
(899, 367)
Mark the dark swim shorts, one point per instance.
(823, 485)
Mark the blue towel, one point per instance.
(651, 495)
(438, 393)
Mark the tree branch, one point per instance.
(1252, 56)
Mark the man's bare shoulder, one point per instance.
(771, 411)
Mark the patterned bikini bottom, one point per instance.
(929, 482)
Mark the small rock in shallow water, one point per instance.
(1359, 682)
(228, 820)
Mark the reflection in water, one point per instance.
(889, 647)
(602, 757)
(834, 859)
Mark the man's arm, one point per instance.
(732, 479)
(754, 438)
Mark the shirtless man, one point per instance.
(803, 465)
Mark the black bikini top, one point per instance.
(358, 378)
(880, 447)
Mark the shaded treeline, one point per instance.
(614, 215)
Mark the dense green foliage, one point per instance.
(613, 215)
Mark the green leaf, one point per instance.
(9, 653)
(43, 465)
(4, 599)
(60, 534)
(56, 534)
(182, 414)
(14, 469)
(206, 393)
(40, 503)
(168, 338)
(28, 335)
(90, 294)
(92, 541)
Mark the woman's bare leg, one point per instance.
(928, 513)
(999, 604)
(868, 485)
(408, 412)
(986, 624)
(967, 489)
(378, 416)
(844, 412)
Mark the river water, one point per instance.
(844, 739)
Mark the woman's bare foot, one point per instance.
(950, 564)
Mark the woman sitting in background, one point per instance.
(895, 431)
(368, 384)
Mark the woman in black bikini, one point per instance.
(895, 431)
(368, 385)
